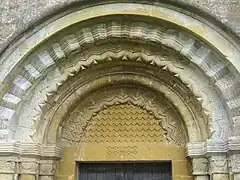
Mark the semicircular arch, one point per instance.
(217, 62)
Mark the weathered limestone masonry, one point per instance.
(120, 81)
(18, 15)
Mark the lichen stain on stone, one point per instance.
(4, 89)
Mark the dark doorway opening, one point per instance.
(125, 171)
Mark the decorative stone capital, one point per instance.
(28, 159)
(7, 167)
(28, 166)
(47, 167)
(200, 166)
(235, 163)
(218, 164)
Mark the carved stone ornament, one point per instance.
(57, 56)
(219, 164)
(235, 163)
(200, 166)
(28, 167)
(162, 76)
(122, 118)
(121, 151)
(47, 167)
(7, 166)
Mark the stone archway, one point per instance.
(123, 119)
(122, 125)
(162, 53)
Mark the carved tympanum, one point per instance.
(124, 123)
(122, 118)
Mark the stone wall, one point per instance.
(182, 55)
(18, 15)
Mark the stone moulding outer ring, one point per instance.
(202, 30)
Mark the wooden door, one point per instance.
(124, 171)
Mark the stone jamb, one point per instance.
(223, 157)
(28, 161)
(200, 168)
